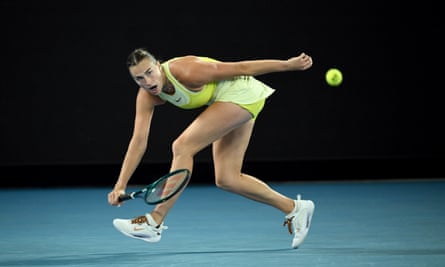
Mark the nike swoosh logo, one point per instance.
(138, 228)
(177, 100)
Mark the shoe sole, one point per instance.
(149, 240)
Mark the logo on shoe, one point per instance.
(138, 228)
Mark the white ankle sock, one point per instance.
(151, 221)
(295, 208)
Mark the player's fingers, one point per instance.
(307, 64)
(113, 199)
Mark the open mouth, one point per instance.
(152, 89)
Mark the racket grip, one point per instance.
(125, 197)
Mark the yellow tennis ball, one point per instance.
(334, 77)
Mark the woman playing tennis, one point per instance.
(234, 98)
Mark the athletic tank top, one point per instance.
(183, 97)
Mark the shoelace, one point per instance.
(288, 222)
(142, 219)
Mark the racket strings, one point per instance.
(166, 188)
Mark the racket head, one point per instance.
(167, 186)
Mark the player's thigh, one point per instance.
(214, 122)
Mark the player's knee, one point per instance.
(180, 147)
(221, 184)
(177, 147)
(225, 182)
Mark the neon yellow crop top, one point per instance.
(183, 97)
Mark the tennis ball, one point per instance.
(334, 77)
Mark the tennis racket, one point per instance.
(162, 189)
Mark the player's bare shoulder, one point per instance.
(183, 65)
(148, 100)
(188, 70)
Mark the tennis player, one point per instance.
(233, 98)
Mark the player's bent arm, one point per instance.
(145, 104)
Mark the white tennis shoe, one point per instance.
(143, 227)
(298, 221)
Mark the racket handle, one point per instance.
(125, 197)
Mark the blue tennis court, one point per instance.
(366, 223)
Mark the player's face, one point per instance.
(148, 75)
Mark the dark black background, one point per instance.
(67, 101)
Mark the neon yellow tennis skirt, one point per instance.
(245, 91)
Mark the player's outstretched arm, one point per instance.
(195, 72)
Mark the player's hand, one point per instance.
(301, 62)
(113, 197)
